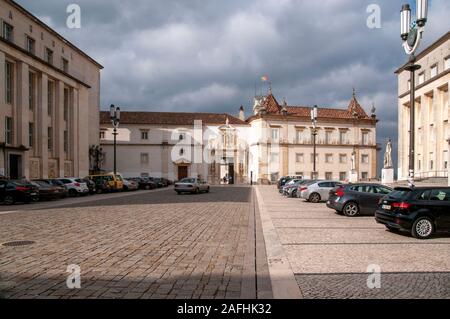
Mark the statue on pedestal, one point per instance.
(388, 155)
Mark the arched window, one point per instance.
(181, 152)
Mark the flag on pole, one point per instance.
(265, 78)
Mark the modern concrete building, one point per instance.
(275, 141)
(432, 111)
(49, 99)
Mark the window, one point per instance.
(434, 71)
(9, 74)
(299, 158)
(31, 90)
(342, 176)
(421, 78)
(65, 65)
(66, 141)
(343, 158)
(365, 138)
(365, 159)
(8, 32)
(144, 135)
(431, 165)
(298, 135)
(8, 130)
(30, 45)
(274, 158)
(144, 158)
(381, 190)
(48, 56)
(50, 98)
(447, 64)
(364, 176)
(182, 136)
(312, 158)
(440, 195)
(274, 134)
(445, 157)
(50, 138)
(314, 175)
(31, 134)
(342, 137)
(328, 175)
(66, 104)
(102, 135)
(329, 158)
(328, 136)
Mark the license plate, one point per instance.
(386, 207)
(33, 194)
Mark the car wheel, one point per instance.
(423, 228)
(294, 193)
(197, 191)
(207, 190)
(314, 198)
(9, 200)
(351, 209)
(147, 187)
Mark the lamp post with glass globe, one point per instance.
(411, 35)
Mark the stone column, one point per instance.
(73, 132)
(42, 125)
(82, 131)
(2, 113)
(58, 129)
(22, 115)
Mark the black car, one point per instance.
(357, 199)
(91, 185)
(160, 182)
(144, 182)
(12, 192)
(421, 211)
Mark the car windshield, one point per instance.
(188, 180)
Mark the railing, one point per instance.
(431, 174)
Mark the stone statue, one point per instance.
(388, 155)
(353, 162)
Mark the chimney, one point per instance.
(241, 113)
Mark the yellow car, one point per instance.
(114, 182)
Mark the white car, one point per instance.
(316, 191)
(75, 186)
(191, 185)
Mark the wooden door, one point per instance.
(182, 172)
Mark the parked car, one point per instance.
(75, 186)
(285, 179)
(129, 185)
(290, 189)
(422, 211)
(115, 182)
(91, 186)
(12, 192)
(160, 182)
(191, 185)
(144, 182)
(357, 199)
(48, 191)
(317, 191)
(56, 183)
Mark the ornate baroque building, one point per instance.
(274, 141)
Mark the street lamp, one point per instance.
(411, 36)
(115, 120)
(314, 113)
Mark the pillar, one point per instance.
(42, 125)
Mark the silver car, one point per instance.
(316, 191)
(191, 185)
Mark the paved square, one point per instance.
(145, 245)
(329, 253)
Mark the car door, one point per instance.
(439, 199)
(324, 190)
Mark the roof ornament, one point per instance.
(354, 92)
(373, 110)
(284, 108)
(227, 122)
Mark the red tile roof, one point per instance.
(168, 118)
(353, 110)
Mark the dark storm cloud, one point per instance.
(207, 55)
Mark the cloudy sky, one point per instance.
(208, 55)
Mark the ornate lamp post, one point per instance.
(115, 120)
(314, 113)
(411, 36)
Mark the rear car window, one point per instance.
(399, 193)
(442, 195)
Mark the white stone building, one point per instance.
(274, 141)
(432, 113)
(49, 99)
